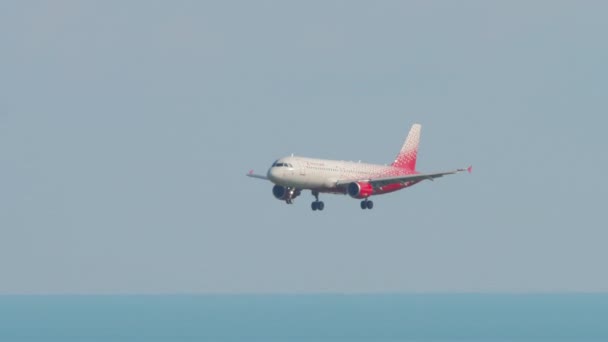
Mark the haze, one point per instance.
(127, 127)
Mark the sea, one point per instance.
(311, 317)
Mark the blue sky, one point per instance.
(126, 128)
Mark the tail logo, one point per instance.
(406, 159)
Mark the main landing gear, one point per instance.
(317, 205)
(367, 204)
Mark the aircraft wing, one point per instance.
(253, 175)
(382, 181)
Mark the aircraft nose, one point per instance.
(273, 174)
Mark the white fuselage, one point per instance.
(292, 175)
(322, 174)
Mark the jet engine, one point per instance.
(285, 193)
(360, 189)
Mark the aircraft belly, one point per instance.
(307, 181)
(315, 181)
(322, 182)
(297, 182)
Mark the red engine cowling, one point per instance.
(360, 189)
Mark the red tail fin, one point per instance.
(406, 159)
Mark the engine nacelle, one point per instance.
(360, 189)
(284, 193)
(279, 192)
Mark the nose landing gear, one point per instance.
(291, 194)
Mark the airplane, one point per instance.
(293, 174)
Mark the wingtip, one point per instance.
(470, 169)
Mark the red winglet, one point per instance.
(470, 168)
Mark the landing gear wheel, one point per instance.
(367, 204)
(317, 205)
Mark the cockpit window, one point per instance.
(277, 164)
